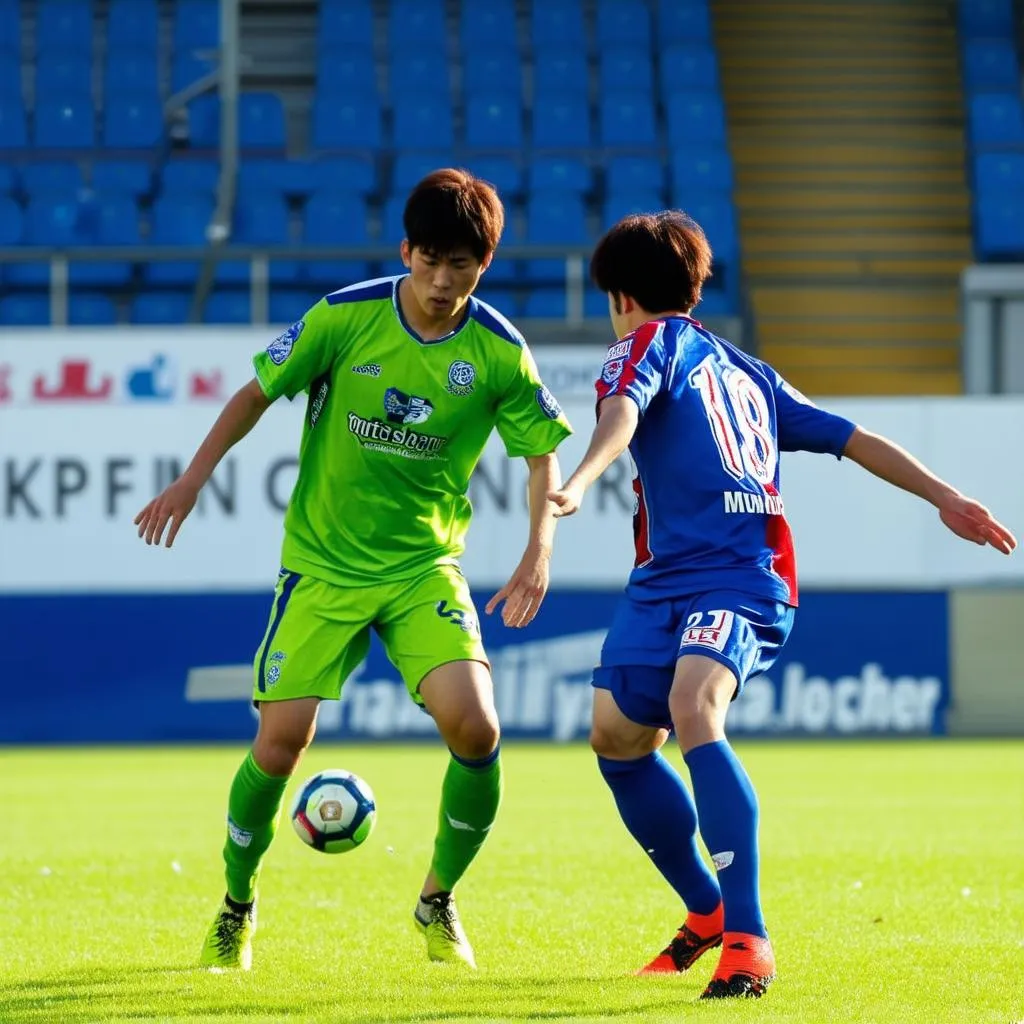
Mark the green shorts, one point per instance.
(319, 633)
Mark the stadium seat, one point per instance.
(228, 307)
(336, 219)
(623, 22)
(495, 69)
(418, 72)
(557, 23)
(49, 221)
(625, 70)
(695, 117)
(61, 74)
(562, 124)
(494, 121)
(991, 18)
(409, 168)
(392, 228)
(996, 119)
(132, 122)
(187, 69)
(688, 68)
(9, 179)
(10, 29)
(13, 122)
(64, 25)
(10, 74)
(717, 216)
(160, 308)
(51, 176)
(553, 218)
(134, 25)
(621, 204)
(716, 302)
(25, 311)
(503, 172)
(86, 309)
(108, 220)
(505, 301)
(560, 73)
(546, 304)
(423, 122)
(700, 169)
(346, 124)
(204, 121)
(259, 176)
(184, 176)
(991, 64)
(503, 270)
(355, 174)
(627, 119)
(261, 121)
(416, 23)
(488, 25)
(127, 177)
(1000, 227)
(559, 174)
(196, 25)
(346, 72)
(347, 23)
(131, 72)
(683, 21)
(178, 220)
(65, 123)
(12, 222)
(635, 173)
(999, 174)
(265, 220)
(595, 304)
(288, 305)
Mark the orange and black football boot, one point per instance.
(745, 969)
(698, 934)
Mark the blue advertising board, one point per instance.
(177, 668)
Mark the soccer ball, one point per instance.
(334, 811)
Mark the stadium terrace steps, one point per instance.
(846, 126)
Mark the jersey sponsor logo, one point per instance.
(466, 621)
(281, 347)
(368, 370)
(319, 389)
(748, 503)
(548, 403)
(617, 351)
(394, 439)
(612, 371)
(403, 408)
(713, 633)
(461, 377)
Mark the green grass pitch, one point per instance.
(893, 882)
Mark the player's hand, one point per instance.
(525, 591)
(972, 521)
(567, 500)
(170, 507)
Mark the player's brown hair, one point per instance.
(661, 260)
(451, 209)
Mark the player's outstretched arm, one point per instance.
(524, 592)
(237, 418)
(964, 516)
(616, 424)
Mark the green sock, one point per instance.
(254, 808)
(470, 796)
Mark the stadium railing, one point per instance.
(993, 312)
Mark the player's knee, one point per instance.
(698, 709)
(607, 742)
(476, 736)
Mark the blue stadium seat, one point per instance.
(346, 124)
(621, 204)
(623, 21)
(418, 71)
(275, 175)
(409, 168)
(107, 220)
(991, 64)
(63, 74)
(9, 179)
(717, 216)
(262, 220)
(10, 29)
(52, 220)
(595, 304)
(683, 21)
(635, 173)
(419, 23)
(553, 218)
(64, 25)
(423, 122)
(132, 122)
(204, 121)
(187, 68)
(557, 23)
(392, 229)
(355, 174)
(1000, 227)
(90, 309)
(716, 302)
(133, 24)
(63, 177)
(503, 172)
(999, 174)
(505, 301)
(627, 119)
(183, 176)
(10, 74)
(562, 123)
(559, 73)
(25, 311)
(336, 219)
(261, 121)
(347, 23)
(700, 169)
(131, 71)
(996, 119)
(347, 72)
(494, 69)
(487, 25)
(12, 222)
(160, 308)
(196, 25)
(504, 270)
(287, 305)
(228, 307)
(65, 123)
(13, 123)
(626, 70)
(178, 220)
(559, 174)
(688, 68)
(545, 304)
(494, 121)
(125, 177)
(986, 17)
(695, 117)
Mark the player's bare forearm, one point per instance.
(616, 424)
(888, 461)
(545, 477)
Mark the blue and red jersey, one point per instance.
(708, 511)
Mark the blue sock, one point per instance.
(656, 807)
(727, 805)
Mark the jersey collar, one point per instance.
(412, 333)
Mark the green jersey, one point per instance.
(394, 429)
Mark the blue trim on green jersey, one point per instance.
(495, 322)
(412, 331)
(282, 603)
(364, 291)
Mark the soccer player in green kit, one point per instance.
(406, 377)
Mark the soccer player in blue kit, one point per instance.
(711, 599)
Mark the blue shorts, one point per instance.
(646, 638)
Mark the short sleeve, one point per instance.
(635, 366)
(803, 426)
(530, 421)
(298, 356)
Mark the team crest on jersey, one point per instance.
(403, 408)
(612, 371)
(281, 347)
(368, 370)
(617, 351)
(461, 377)
(548, 403)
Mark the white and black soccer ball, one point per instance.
(334, 811)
